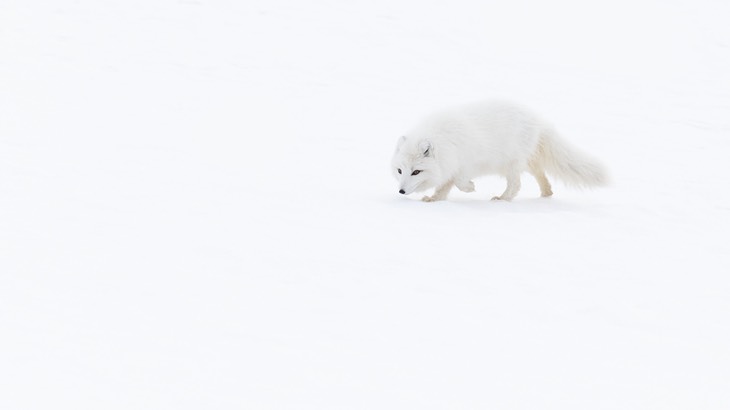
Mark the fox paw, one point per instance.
(501, 198)
(467, 186)
(429, 199)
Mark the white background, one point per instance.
(197, 211)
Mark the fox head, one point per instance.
(414, 165)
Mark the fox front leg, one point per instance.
(513, 187)
(465, 185)
(441, 193)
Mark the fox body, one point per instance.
(452, 147)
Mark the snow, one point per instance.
(196, 209)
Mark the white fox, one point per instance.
(451, 148)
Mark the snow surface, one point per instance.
(196, 210)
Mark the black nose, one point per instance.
(402, 191)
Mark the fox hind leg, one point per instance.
(539, 174)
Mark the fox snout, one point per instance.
(402, 192)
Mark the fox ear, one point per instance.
(401, 140)
(426, 148)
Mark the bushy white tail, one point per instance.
(568, 164)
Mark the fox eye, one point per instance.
(399, 171)
(416, 172)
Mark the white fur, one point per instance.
(451, 148)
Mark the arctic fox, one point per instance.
(452, 147)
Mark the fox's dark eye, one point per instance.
(399, 171)
(416, 172)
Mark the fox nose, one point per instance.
(401, 192)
